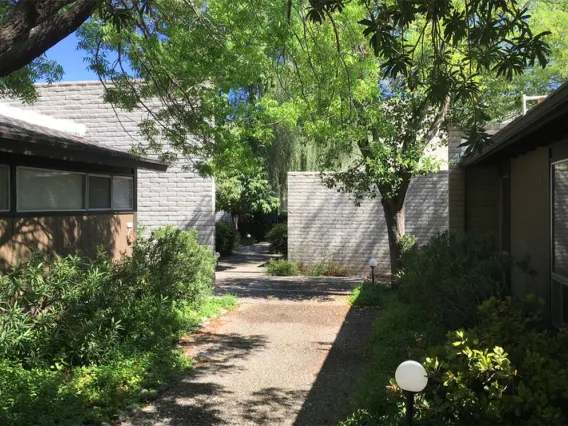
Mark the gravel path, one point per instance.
(289, 355)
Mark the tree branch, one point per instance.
(33, 27)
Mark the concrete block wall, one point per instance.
(177, 196)
(326, 224)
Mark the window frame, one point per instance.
(105, 209)
(85, 193)
(554, 276)
(9, 170)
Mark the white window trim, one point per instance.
(18, 168)
(7, 167)
(131, 178)
(104, 209)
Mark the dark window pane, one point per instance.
(99, 192)
(565, 304)
(560, 218)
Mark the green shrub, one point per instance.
(81, 338)
(504, 371)
(281, 268)
(325, 268)
(225, 238)
(278, 238)
(78, 311)
(452, 274)
(408, 247)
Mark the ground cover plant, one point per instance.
(495, 366)
(281, 268)
(368, 294)
(82, 339)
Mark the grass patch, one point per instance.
(216, 303)
(368, 294)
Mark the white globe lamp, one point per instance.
(412, 378)
(372, 264)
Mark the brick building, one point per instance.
(176, 196)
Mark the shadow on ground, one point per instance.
(190, 401)
(328, 401)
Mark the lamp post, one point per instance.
(411, 377)
(372, 264)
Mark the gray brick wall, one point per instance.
(175, 197)
(326, 224)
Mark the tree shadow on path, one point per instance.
(328, 401)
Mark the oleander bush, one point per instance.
(452, 274)
(78, 332)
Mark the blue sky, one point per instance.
(66, 54)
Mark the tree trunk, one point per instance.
(235, 221)
(395, 219)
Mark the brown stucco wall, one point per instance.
(530, 221)
(482, 200)
(63, 235)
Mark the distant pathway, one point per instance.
(291, 354)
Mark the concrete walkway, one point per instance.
(291, 353)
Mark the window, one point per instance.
(560, 242)
(99, 192)
(4, 188)
(122, 193)
(50, 190)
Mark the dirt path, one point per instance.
(289, 355)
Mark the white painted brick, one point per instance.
(326, 224)
(172, 197)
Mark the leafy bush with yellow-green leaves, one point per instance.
(488, 359)
(504, 371)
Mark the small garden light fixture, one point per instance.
(372, 264)
(411, 377)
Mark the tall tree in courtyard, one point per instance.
(386, 98)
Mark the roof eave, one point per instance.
(555, 105)
(78, 153)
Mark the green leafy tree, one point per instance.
(386, 113)
(464, 40)
(242, 194)
(378, 94)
